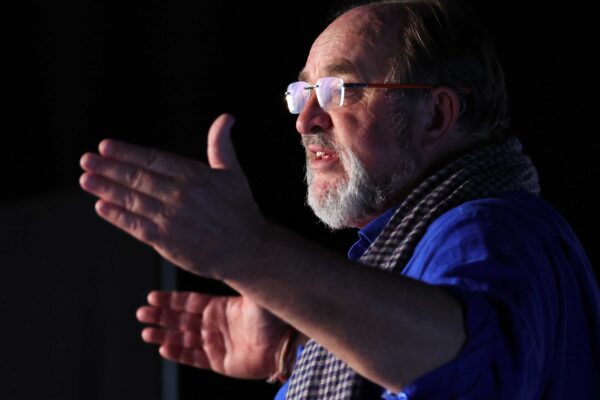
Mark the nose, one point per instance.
(313, 118)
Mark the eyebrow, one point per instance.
(341, 67)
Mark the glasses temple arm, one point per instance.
(463, 89)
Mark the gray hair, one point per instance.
(441, 42)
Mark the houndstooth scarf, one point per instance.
(483, 172)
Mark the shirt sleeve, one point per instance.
(498, 269)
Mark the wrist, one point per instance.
(286, 357)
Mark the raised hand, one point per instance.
(202, 218)
(229, 335)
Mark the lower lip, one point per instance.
(322, 163)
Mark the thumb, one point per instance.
(221, 154)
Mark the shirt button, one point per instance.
(390, 396)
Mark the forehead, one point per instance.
(350, 46)
(335, 67)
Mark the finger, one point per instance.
(194, 357)
(151, 159)
(170, 337)
(137, 226)
(190, 302)
(142, 180)
(148, 315)
(221, 153)
(126, 198)
(168, 318)
(160, 298)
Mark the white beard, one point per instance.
(360, 198)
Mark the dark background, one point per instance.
(157, 73)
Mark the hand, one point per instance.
(200, 218)
(229, 335)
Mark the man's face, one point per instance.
(360, 158)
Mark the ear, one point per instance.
(443, 109)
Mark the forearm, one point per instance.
(388, 328)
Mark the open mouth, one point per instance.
(320, 156)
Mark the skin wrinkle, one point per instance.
(363, 191)
(356, 199)
(330, 40)
(268, 265)
(343, 67)
(405, 43)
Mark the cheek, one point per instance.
(352, 129)
(373, 144)
(366, 129)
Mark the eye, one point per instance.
(353, 94)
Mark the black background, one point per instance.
(158, 72)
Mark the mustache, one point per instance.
(320, 139)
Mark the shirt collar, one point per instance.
(368, 234)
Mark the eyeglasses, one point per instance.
(331, 92)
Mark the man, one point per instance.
(463, 284)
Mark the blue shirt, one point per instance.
(531, 302)
(368, 234)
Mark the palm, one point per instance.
(229, 335)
